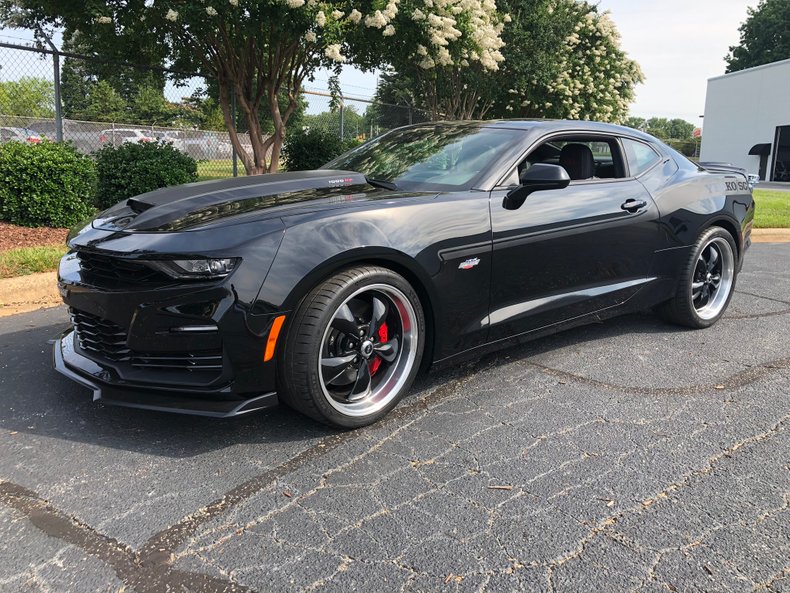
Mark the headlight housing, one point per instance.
(202, 268)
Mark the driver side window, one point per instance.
(585, 158)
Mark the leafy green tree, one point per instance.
(263, 50)
(103, 103)
(638, 123)
(765, 36)
(680, 129)
(353, 122)
(28, 96)
(148, 106)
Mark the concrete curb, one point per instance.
(771, 235)
(28, 293)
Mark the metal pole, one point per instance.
(56, 72)
(342, 118)
(233, 146)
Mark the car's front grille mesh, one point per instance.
(107, 340)
(105, 270)
(101, 337)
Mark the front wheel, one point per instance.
(353, 347)
(706, 282)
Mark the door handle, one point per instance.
(633, 205)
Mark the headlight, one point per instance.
(196, 268)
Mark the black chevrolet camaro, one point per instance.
(328, 290)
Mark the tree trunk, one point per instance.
(230, 125)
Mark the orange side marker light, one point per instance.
(273, 334)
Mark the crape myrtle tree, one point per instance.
(562, 59)
(259, 50)
(590, 76)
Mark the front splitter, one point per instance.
(86, 372)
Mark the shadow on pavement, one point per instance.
(37, 400)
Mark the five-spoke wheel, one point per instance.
(368, 349)
(713, 275)
(706, 282)
(354, 347)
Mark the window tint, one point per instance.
(583, 157)
(430, 156)
(640, 156)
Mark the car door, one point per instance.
(570, 252)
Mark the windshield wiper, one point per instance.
(380, 183)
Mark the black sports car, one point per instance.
(329, 289)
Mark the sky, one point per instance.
(678, 43)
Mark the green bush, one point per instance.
(307, 150)
(132, 169)
(46, 184)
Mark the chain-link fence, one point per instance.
(47, 93)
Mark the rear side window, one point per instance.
(640, 156)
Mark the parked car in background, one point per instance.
(19, 135)
(206, 146)
(171, 137)
(119, 136)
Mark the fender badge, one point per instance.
(469, 264)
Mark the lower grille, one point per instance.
(203, 361)
(107, 340)
(99, 336)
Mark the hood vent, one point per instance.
(138, 205)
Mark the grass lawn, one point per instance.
(30, 260)
(773, 209)
(217, 169)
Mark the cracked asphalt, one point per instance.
(627, 456)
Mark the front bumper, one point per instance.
(106, 388)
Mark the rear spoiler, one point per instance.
(728, 168)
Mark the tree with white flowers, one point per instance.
(259, 50)
(562, 59)
(589, 76)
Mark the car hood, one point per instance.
(197, 205)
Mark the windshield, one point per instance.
(429, 157)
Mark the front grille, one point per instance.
(110, 271)
(107, 341)
(99, 336)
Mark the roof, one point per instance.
(779, 64)
(547, 125)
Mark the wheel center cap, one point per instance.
(366, 349)
(708, 277)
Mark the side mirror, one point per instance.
(539, 177)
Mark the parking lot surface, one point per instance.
(626, 456)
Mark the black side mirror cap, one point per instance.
(539, 177)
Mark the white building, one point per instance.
(747, 120)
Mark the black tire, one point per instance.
(311, 333)
(690, 309)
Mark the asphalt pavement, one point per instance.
(626, 456)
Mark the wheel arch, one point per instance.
(729, 225)
(391, 259)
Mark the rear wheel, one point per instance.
(353, 348)
(706, 282)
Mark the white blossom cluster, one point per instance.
(595, 79)
(455, 32)
(443, 27)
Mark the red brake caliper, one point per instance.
(383, 337)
